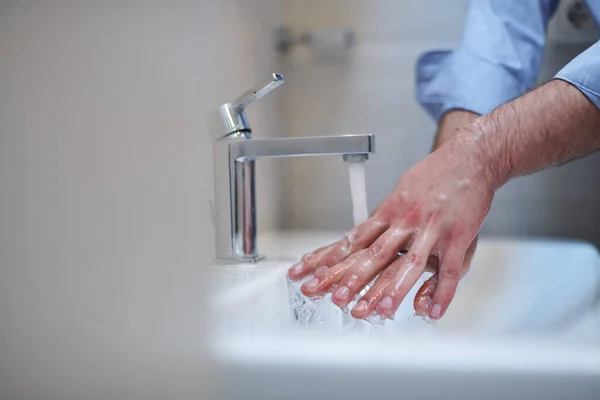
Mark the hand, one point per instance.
(449, 124)
(436, 209)
(439, 205)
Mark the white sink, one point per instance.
(525, 323)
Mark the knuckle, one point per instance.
(412, 258)
(345, 247)
(376, 250)
(450, 273)
(306, 258)
(379, 222)
(351, 279)
(389, 273)
(411, 216)
(333, 258)
(311, 259)
(356, 257)
(321, 272)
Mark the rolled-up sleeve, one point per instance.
(497, 60)
(584, 73)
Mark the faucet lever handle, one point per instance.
(233, 115)
(257, 92)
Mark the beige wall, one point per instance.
(371, 89)
(105, 181)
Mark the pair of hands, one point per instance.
(433, 215)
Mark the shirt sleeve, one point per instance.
(497, 60)
(584, 73)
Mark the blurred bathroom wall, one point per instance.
(370, 89)
(105, 182)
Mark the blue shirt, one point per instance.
(499, 59)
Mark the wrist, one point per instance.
(476, 142)
(450, 123)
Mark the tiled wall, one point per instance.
(105, 182)
(371, 89)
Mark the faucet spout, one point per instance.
(345, 145)
(234, 156)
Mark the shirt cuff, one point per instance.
(584, 73)
(459, 80)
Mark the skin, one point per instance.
(437, 208)
(450, 123)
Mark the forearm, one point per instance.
(551, 125)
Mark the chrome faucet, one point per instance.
(234, 176)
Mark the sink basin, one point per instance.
(525, 323)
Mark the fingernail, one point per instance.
(361, 306)
(342, 293)
(312, 284)
(297, 268)
(436, 311)
(385, 304)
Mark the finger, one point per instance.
(377, 256)
(366, 269)
(433, 264)
(367, 304)
(325, 277)
(448, 277)
(411, 268)
(425, 295)
(357, 239)
(469, 257)
(309, 262)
